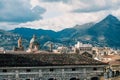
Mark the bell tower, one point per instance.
(20, 47)
(20, 42)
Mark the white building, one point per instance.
(84, 49)
(79, 44)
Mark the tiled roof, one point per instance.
(114, 57)
(24, 60)
(116, 62)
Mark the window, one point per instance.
(94, 68)
(73, 69)
(4, 70)
(27, 79)
(28, 70)
(94, 78)
(74, 78)
(51, 79)
(51, 70)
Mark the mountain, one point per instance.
(63, 36)
(71, 32)
(104, 33)
(42, 35)
(8, 39)
(28, 32)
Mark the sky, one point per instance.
(54, 14)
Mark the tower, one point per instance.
(20, 47)
(20, 42)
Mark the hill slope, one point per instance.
(8, 39)
(104, 33)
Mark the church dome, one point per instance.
(34, 40)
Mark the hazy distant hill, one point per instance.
(104, 33)
(8, 39)
(28, 32)
(42, 35)
(71, 32)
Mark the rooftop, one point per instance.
(115, 62)
(48, 59)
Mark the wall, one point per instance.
(44, 73)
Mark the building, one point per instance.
(34, 45)
(20, 46)
(84, 49)
(49, 66)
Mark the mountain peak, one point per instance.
(111, 18)
(110, 15)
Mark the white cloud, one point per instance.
(87, 5)
(19, 11)
(62, 14)
(65, 21)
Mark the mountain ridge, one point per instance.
(103, 33)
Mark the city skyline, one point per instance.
(54, 14)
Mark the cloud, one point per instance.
(98, 5)
(69, 20)
(56, 14)
(19, 11)
(56, 1)
(88, 5)
(65, 21)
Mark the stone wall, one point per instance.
(45, 73)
